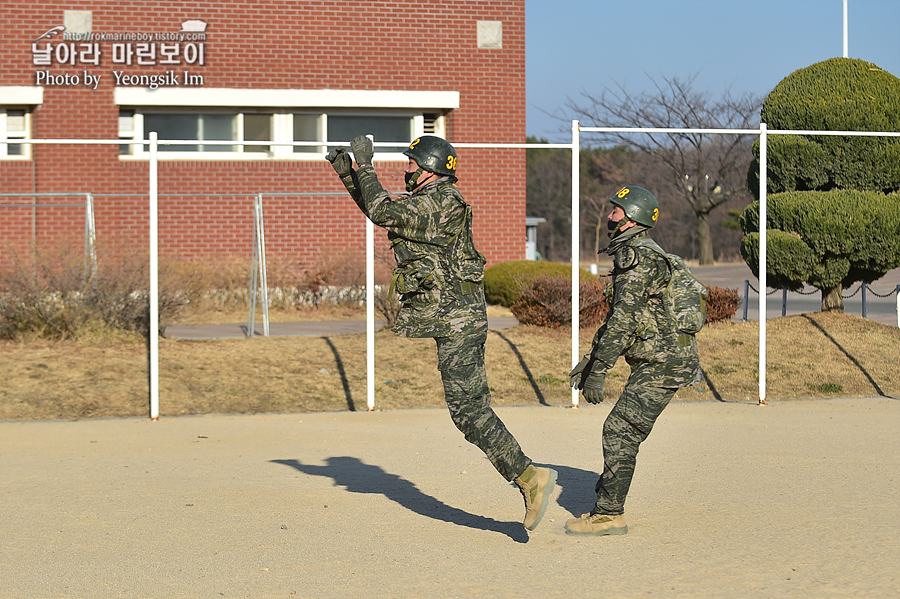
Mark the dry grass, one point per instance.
(810, 356)
(324, 312)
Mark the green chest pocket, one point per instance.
(415, 279)
(416, 276)
(646, 338)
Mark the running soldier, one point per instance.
(439, 278)
(641, 328)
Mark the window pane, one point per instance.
(15, 128)
(257, 127)
(126, 121)
(383, 128)
(306, 128)
(126, 130)
(15, 121)
(192, 126)
(217, 127)
(173, 126)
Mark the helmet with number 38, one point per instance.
(433, 154)
(638, 204)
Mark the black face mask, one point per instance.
(614, 226)
(412, 179)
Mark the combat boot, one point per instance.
(597, 524)
(536, 485)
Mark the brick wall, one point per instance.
(274, 45)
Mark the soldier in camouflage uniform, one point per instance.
(640, 329)
(439, 278)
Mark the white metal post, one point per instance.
(576, 253)
(370, 310)
(154, 278)
(846, 53)
(763, 227)
(254, 259)
(90, 247)
(263, 280)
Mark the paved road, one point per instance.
(279, 329)
(797, 499)
(880, 309)
(883, 310)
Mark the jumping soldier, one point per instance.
(641, 327)
(439, 278)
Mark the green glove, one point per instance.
(593, 388)
(589, 382)
(362, 150)
(340, 160)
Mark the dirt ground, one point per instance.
(796, 499)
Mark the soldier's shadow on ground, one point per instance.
(359, 477)
(577, 494)
(847, 354)
(534, 386)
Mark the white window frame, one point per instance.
(139, 152)
(282, 104)
(416, 128)
(17, 98)
(126, 135)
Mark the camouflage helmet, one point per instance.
(638, 203)
(433, 154)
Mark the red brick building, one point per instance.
(272, 70)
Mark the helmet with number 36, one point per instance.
(433, 154)
(638, 204)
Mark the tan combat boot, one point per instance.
(536, 485)
(597, 524)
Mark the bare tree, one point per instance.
(705, 170)
(549, 194)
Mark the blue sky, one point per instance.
(748, 46)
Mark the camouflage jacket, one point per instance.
(439, 272)
(638, 326)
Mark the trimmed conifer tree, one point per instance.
(834, 203)
(828, 239)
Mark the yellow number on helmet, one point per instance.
(623, 192)
(655, 214)
(451, 163)
(415, 143)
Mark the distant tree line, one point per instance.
(698, 178)
(603, 171)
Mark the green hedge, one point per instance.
(824, 238)
(840, 94)
(546, 301)
(503, 282)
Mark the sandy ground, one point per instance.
(793, 499)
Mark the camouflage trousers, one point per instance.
(461, 362)
(627, 426)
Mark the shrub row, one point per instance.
(542, 296)
(55, 294)
(547, 302)
(59, 296)
(722, 303)
(503, 282)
